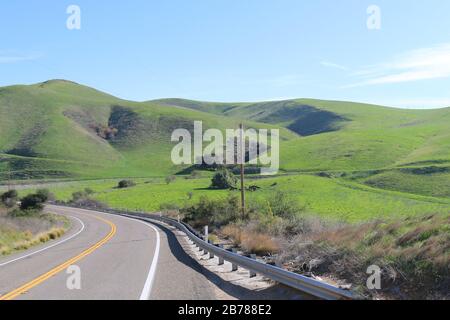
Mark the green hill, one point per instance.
(60, 129)
(335, 135)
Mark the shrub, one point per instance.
(9, 198)
(79, 195)
(284, 206)
(32, 202)
(259, 243)
(126, 184)
(195, 174)
(170, 179)
(170, 210)
(224, 179)
(44, 195)
(18, 213)
(251, 241)
(89, 191)
(215, 213)
(90, 204)
(233, 232)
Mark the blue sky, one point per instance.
(230, 50)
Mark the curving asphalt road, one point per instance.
(117, 258)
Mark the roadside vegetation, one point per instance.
(413, 252)
(123, 184)
(23, 224)
(320, 225)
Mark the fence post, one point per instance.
(206, 233)
(252, 273)
(206, 237)
(221, 260)
(234, 267)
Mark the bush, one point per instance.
(44, 195)
(170, 179)
(251, 241)
(90, 204)
(89, 191)
(126, 184)
(283, 205)
(79, 195)
(224, 179)
(32, 202)
(170, 210)
(259, 243)
(195, 174)
(214, 213)
(169, 207)
(9, 198)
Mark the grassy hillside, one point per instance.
(336, 135)
(59, 129)
(429, 181)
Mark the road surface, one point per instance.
(104, 257)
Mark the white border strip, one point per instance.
(147, 291)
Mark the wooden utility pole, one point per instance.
(9, 178)
(242, 143)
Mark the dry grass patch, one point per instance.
(22, 233)
(414, 254)
(251, 241)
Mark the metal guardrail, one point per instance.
(310, 286)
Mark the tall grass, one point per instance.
(21, 233)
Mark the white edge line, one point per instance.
(146, 292)
(49, 247)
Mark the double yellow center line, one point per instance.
(28, 286)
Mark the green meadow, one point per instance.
(333, 199)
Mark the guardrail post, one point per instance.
(206, 237)
(211, 255)
(221, 260)
(252, 273)
(234, 267)
(206, 233)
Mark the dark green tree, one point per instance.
(9, 198)
(224, 179)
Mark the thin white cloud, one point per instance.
(416, 65)
(329, 64)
